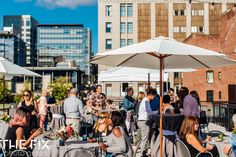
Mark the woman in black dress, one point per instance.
(28, 102)
(15, 133)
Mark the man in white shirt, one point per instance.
(143, 116)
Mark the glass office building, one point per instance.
(12, 48)
(68, 42)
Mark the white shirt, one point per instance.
(145, 110)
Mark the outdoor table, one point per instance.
(3, 129)
(58, 151)
(58, 119)
(171, 127)
(220, 145)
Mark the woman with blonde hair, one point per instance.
(188, 134)
(27, 101)
(103, 125)
(43, 109)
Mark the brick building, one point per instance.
(213, 84)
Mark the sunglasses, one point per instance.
(25, 94)
(102, 117)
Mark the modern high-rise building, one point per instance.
(64, 42)
(12, 48)
(121, 23)
(25, 27)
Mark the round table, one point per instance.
(220, 145)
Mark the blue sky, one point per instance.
(56, 11)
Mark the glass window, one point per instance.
(130, 27)
(210, 77)
(122, 42)
(130, 42)
(194, 29)
(108, 10)
(182, 12)
(27, 23)
(130, 10)
(122, 27)
(210, 95)
(176, 12)
(108, 44)
(201, 12)
(122, 10)
(183, 29)
(176, 29)
(108, 27)
(201, 29)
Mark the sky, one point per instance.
(56, 12)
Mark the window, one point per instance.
(108, 10)
(108, 27)
(122, 42)
(176, 29)
(130, 42)
(122, 10)
(66, 31)
(130, 10)
(176, 75)
(201, 29)
(210, 95)
(194, 29)
(210, 77)
(108, 44)
(130, 27)
(182, 12)
(27, 23)
(183, 29)
(108, 89)
(176, 12)
(122, 27)
(201, 12)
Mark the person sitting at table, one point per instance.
(118, 141)
(188, 134)
(15, 134)
(103, 126)
(27, 101)
(231, 146)
(168, 108)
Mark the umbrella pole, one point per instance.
(149, 81)
(161, 103)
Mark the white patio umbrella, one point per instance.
(8, 68)
(160, 53)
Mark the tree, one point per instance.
(60, 88)
(5, 94)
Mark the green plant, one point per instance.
(26, 86)
(60, 88)
(5, 94)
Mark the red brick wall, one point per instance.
(225, 43)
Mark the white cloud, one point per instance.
(71, 4)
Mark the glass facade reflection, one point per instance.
(73, 42)
(13, 49)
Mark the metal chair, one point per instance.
(78, 152)
(2, 152)
(136, 150)
(19, 153)
(231, 153)
(215, 133)
(183, 151)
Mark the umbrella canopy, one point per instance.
(128, 74)
(162, 53)
(176, 55)
(8, 68)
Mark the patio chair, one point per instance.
(2, 152)
(78, 152)
(136, 150)
(19, 153)
(204, 121)
(183, 151)
(231, 153)
(215, 133)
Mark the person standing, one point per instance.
(129, 106)
(73, 109)
(43, 109)
(155, 103)
(190, 105)
(145, 112)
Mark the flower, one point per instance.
(69, 130)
